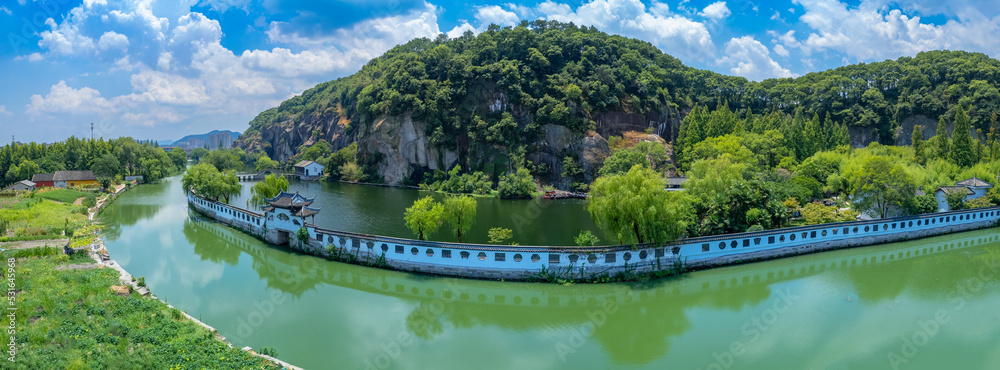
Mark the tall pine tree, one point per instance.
(962, 147)
(941, 139)
(917, 143)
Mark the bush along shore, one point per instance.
(76, 308)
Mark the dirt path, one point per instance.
(34, 244)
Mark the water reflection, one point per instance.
(634, 324)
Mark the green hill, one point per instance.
(543, 92)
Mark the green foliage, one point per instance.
(179, 157)
(97, 328)
(205, 180)
(90, 200)
(636, 208)
(267, 189)
(517, 185)
(917, 143)
(265, 163)
(302, 234)
(981, 202)
(336, 162)
(647, 154)
(500, 235)
(460, 212)
(922, 204)
(941, 142)
(962, 148)
(727, 198)
(198, 153)
(268, 351)
(62, 195)
(317, 151)
(350, 171)
(224, 160)
(880, 185)
(819, 214)
(468, 183)
(586, 239)
(424, 217)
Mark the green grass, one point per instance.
(71, 319)
(62, 195)
(41, 213)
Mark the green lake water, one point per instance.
(835, 310)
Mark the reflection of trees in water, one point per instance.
(641, 327)
(288, 272)
(208, 246)
(930, 276)
(117, 215)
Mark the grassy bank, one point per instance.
(73, 319)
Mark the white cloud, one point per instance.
(222, 5)
(675, 34)
(64, 39)
(160, 87)
(780, 50)
(496, 15)
(63, 99)
(4, 111)
(776, 16)
(751, 59)
(112, 40)
(875, 32)
(459, 30)
(5, 10)
(717, 10)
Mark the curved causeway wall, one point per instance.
(525, 262)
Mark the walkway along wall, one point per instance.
(524, 262)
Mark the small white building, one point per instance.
(287, 212)
(308, 170)
(23, 185)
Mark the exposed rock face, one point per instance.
(559, 142)
(282, 141)
(403, 144)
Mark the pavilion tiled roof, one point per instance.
(289, 200)
(974, 182)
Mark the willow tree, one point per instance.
(636, 207)
(267, 189)
(424, 217)
(205, 180)
(460, 211)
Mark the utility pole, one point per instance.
(91, 131)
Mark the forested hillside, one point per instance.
(546, 95)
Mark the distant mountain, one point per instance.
(212, 140)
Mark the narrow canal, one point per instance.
(925, 304)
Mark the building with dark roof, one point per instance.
(972, 188)
(43, 180)
(68, 179)
(287, 212)
(23, 185)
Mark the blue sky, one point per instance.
(162, 69)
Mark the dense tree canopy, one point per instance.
(635, 207)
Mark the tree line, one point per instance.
(108, 159)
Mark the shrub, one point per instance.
(268, 351)
(500, 235)
(517, 185)
(90, 200)
(586, 239)
(303, 235)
